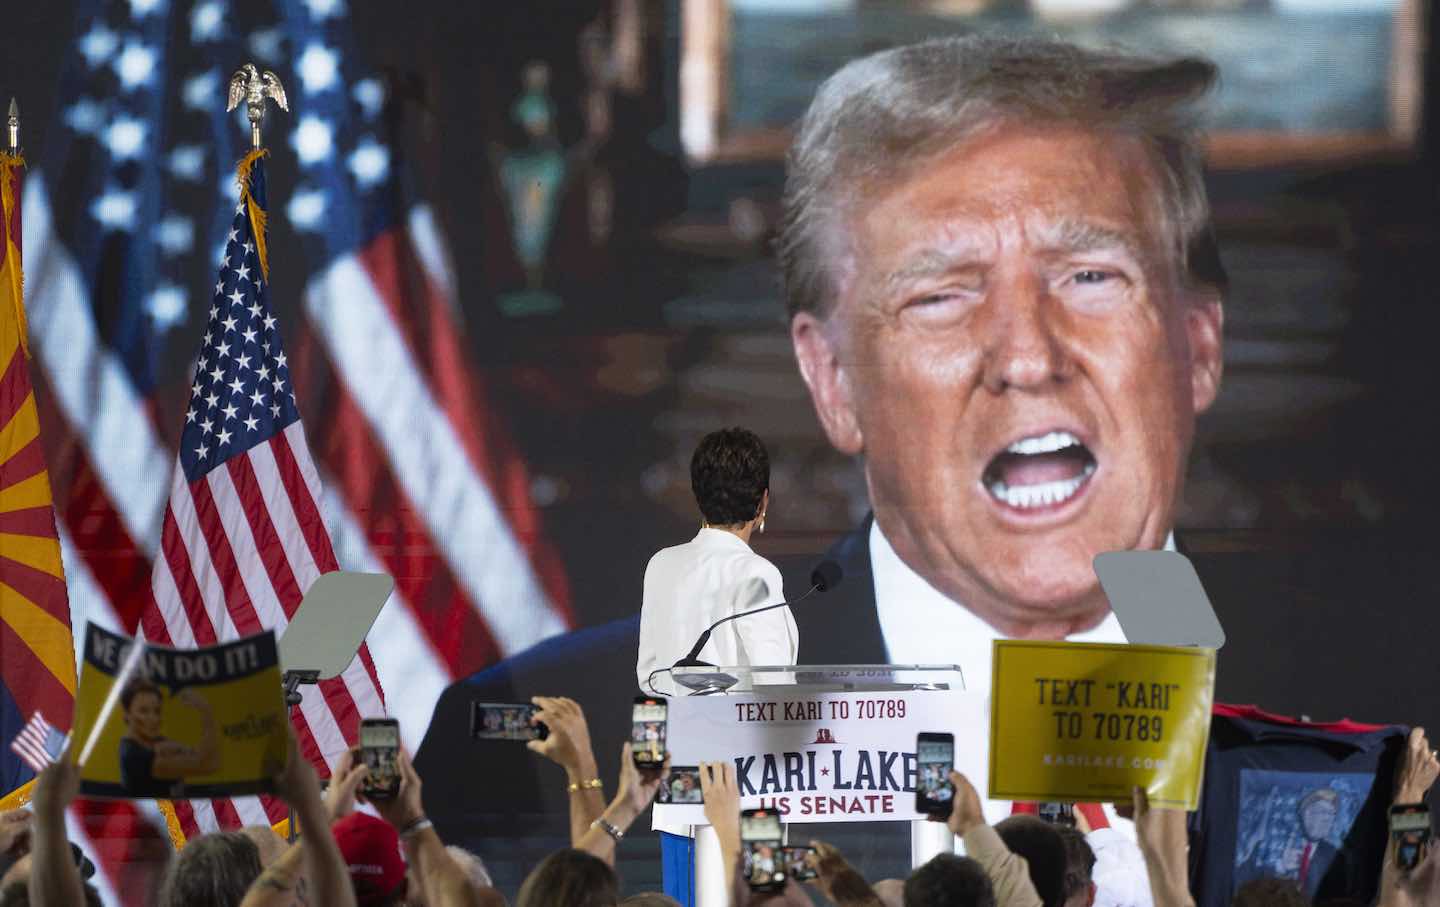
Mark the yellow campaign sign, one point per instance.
(168, 723)
(1087, 722)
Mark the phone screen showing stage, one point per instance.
(760, 842)
(935, 756)
(503, 721)
(647, 732)
(379, 748)
(682, 785)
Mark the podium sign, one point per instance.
(822, 756)
(1086, 722)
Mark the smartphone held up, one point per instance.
(762, 846)
(682, 786)
(1410, 827)
(505, 721)
(935, 759)
(647, 731)
(380, 754)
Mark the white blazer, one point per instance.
(688, 587)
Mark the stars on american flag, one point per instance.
(135, 65)
(115, 209)
(207, 21)
(240, 396)
(126, 61)
(125, 137)
(98, 44)
(319, 68)
(124, 54)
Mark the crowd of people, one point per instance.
(390, 855)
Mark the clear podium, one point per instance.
(824, 740)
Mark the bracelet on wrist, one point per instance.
(577, 786)
(414, 827)
(610, 828)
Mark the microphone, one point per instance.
(826, 576)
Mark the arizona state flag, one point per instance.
(37, 656)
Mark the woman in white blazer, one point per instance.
(688, 587)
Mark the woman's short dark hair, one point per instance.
(134, 688)
(729, 474)
(1043, 849)
(573, 878)
(214, 870)
(1079, 860)
(949, 881)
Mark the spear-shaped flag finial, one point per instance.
(12, 121)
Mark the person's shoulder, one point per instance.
(669, 552)
(670, 556)
(759, 565)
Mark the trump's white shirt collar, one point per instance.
(921, 625)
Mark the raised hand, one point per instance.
(1162, 838)
(568, 742)
(722, 800)
(406, 807)
(296, 780)
(638, 788)
(1418, 769)
(965, 809)
(345, 779)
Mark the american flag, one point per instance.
(243, 537)
(38, 744)
(128, 209)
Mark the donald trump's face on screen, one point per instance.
(1012, 351)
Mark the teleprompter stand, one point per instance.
(328, 629)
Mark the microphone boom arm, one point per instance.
(692, 660)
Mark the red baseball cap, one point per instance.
(371, 849)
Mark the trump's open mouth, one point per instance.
(1040, 471)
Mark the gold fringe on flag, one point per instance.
(172, 824)
(22, 795)
(10, 257)
(257, 213)
(18, 797)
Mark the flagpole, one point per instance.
(10, 159)
(251, 86)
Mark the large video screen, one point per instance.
(511, 298)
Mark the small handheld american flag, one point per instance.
(38, 744)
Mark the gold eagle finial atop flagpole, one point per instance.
(251, 86)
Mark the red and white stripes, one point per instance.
(419, 482)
